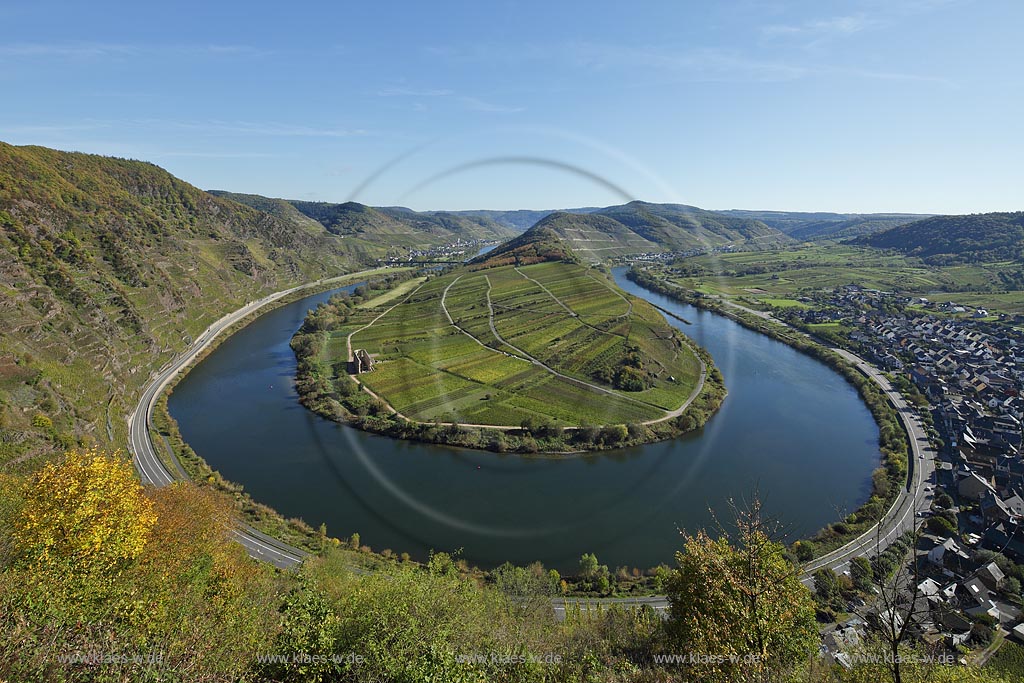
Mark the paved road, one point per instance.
(657, 602)
(912, 499)
(152, 469)
(900, 518)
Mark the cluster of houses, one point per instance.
(956, 592)
(460, 250)
(972, 372)
(671, 256)
(661, 256)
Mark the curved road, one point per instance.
(152, 469)
(912, 499)
(900, 518)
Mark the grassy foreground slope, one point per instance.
(107, 268)
(168, 596)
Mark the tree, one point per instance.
(614, 433)
(85, 516)
(741, 605)
(827, 588)
(308, 629)
(861, 573)
(894, 614)
(588, 565)
(941, 526)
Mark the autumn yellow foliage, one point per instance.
(87, 512)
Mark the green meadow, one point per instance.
(550, 341)
(779, 278)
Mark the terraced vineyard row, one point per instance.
(522, 343)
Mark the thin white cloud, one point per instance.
(211, 127)
(702, 65)
(258, 129)
(822, 28)
(65, 50)
(714, 65)
(476, 104)
(414, 92)
(887, 76)
(101, 50)
(45, 129)
(468, 101)
(215, 155)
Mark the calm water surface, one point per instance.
(790, 428)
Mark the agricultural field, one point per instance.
(499, 346)
(779, 278)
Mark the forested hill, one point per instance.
(641, 227)
(824, 226)
(595, 233)
(538, 244)
(395, 226)
(940, 240)
(107, 268)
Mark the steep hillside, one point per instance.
(595, 237)
(851, 227)
(451, 225)
(640, 227)
(538, 244)
(107, 268)
(681, 227)
(940, 240)
(279, 208)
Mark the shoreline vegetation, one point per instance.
(349, 552)
(167, 436)
(623, 581)
(326, 387)
(886, 481)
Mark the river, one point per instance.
(791, 429)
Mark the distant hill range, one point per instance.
(822, 226)
(641, 227)
(395, 226)
(593, 233)
(629, 229)
(944, 240)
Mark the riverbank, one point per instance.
(887, 480)
(181, 460)
(326, 387)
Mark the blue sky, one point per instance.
(872, 105)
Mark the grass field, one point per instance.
(779, 278)
(396, 293)
(545, 341)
